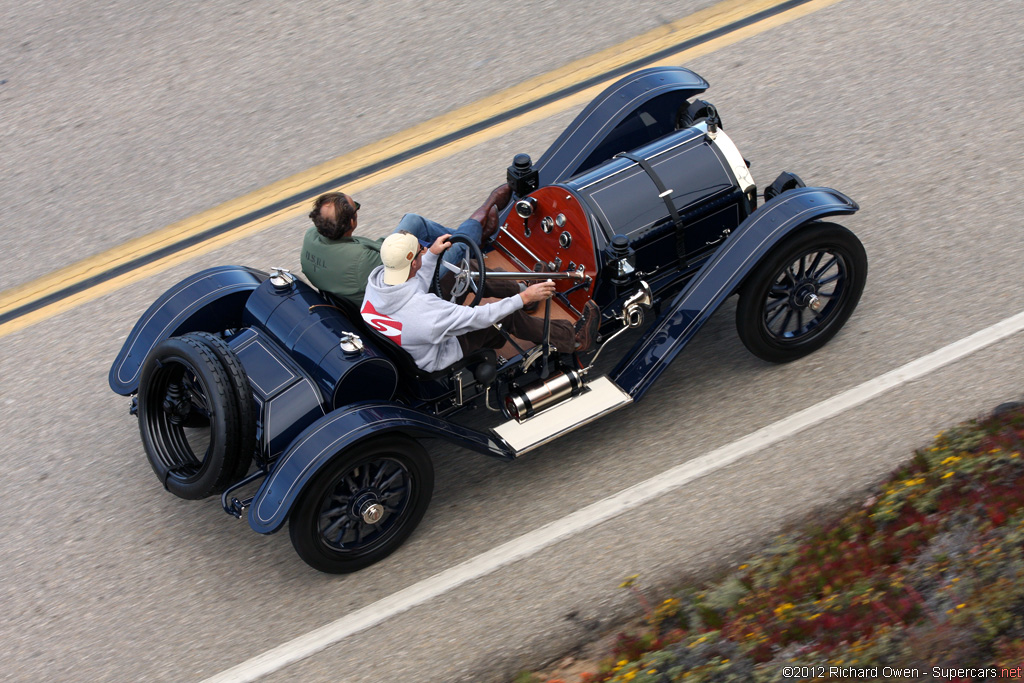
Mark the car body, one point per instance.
(242, 378)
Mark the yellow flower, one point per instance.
(783, 608)
(947, 475)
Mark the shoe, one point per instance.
(586, 327)
(498, 199)
(500, 196)
(490, 223)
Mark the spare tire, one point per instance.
(180, 377)
(243, 396)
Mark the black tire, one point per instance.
(326, 527)
(243, 396)
(182, 376)
(775, 317)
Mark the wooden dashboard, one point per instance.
(554, 238)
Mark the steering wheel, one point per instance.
(464, 280)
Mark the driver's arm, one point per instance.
(429, 262)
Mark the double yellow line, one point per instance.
(711, 29)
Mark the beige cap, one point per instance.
(397, 253)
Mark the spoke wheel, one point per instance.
(363, 505)
(464, 281)
(188, 418)
(802, 293)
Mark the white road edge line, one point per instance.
(598, 512)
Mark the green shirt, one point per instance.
(341, 266)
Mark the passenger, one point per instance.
(336, 261)
(437, 332)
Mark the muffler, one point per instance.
(524, 402)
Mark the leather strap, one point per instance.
(666, 196)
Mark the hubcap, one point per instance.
(813, 302)
(371, 512)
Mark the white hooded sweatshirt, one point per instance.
(422, 323)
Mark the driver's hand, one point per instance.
(440, 244)
(538, 292)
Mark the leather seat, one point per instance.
(484, 360)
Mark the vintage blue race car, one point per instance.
(242, 378)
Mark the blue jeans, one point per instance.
(427, 231)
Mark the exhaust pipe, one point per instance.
(524, 402)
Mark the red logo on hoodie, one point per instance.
(389, 327)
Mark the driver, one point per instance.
(335, 261)
(436, 332)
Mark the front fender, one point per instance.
(319, 443)
(209, 301)
(720, 277)
(672, 86)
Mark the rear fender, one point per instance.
(337, 431)
(209, 301)
(720, 277)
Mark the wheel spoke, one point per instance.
(799, 320)
(772, 305)
(389, 495)
(771, 320)
(831, 262)
(368, 477)
(392, 479)
(814, 263)
(830, 279)
(381, 471)
(342, 524)
(785, 321)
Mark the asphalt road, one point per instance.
(117, 120)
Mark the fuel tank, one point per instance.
(317, 337)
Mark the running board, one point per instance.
(601, 397)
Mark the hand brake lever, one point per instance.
(544, 370)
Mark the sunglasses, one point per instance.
(356, 204)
